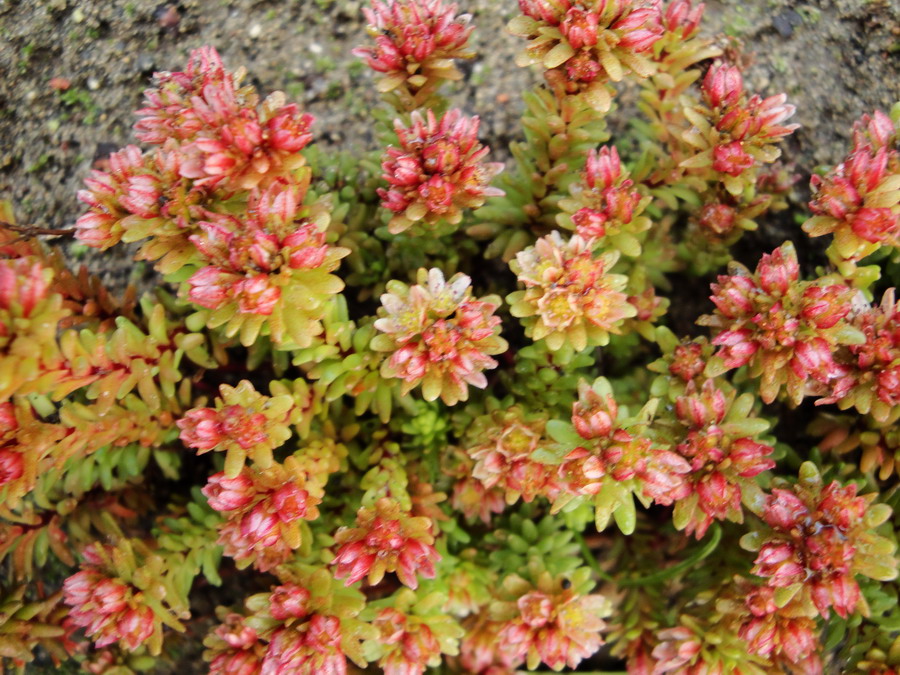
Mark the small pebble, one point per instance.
(59, 83)
(255, 31)
(785, 22)
(167, 16)
(93, 83)
(145, 63)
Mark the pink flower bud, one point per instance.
(723, 85)
(834, 196)
(290, 502)
(255, 295)
(825, 306)
(734, 296)
(880, 128)
(750, 458)
(840, 592)
(211, 287)
(580, 27)
(815, 359)
(718, 497)
(876, 225)
(134, 628)
(289, 601)
(731, 159)
(865, 170)
(702, 409)
(778, 562)
(687, 361)
(719, 219)
(200, 429)
(777, 271)
(23, 283)
(603, 169)
(680, 14)
(738, 347)
(12, 466)
(888, 389)
(229, 494)
(784, 509)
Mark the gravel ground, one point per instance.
(835, 58)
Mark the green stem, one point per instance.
(678, 568)
(591, 558)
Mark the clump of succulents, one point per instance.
(441, 421)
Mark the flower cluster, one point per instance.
(470, 496)
(605, 206)
(221, 136)
(821, 538)
(583, 44)
(503, 444)
(269, 271)
(784, 633)
(415, 44)
(722, 457)
(307, 624)
(386, 539)
(436, 172)
(116, 599)
(872, 381)
(571, 300)
(858, 201)
(732, 133)
(414, 633)
(438, 336)
(787, 330)
(243, 424)
(214, 143)
(263, 510)
(606, 457)
(553, 620)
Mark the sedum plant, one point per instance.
(410, 410)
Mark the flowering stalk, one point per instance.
(786, 330)
(213, 144)
(118, 596)
(571, 300)
(263, 510)
(605, 458)
(435, 173)
(414, 632)
(438, 336)
(385, 539)
(821, 537)
(583, 45)
(416, 42)
(244, 424)
(858, 201)
(604, 207)
(543, 619)
(268, 272)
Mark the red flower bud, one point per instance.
(288, 601)
(777, 271)
(722, 85)
(229, 494)
(731, 159)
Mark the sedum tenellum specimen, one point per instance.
(393, 409)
